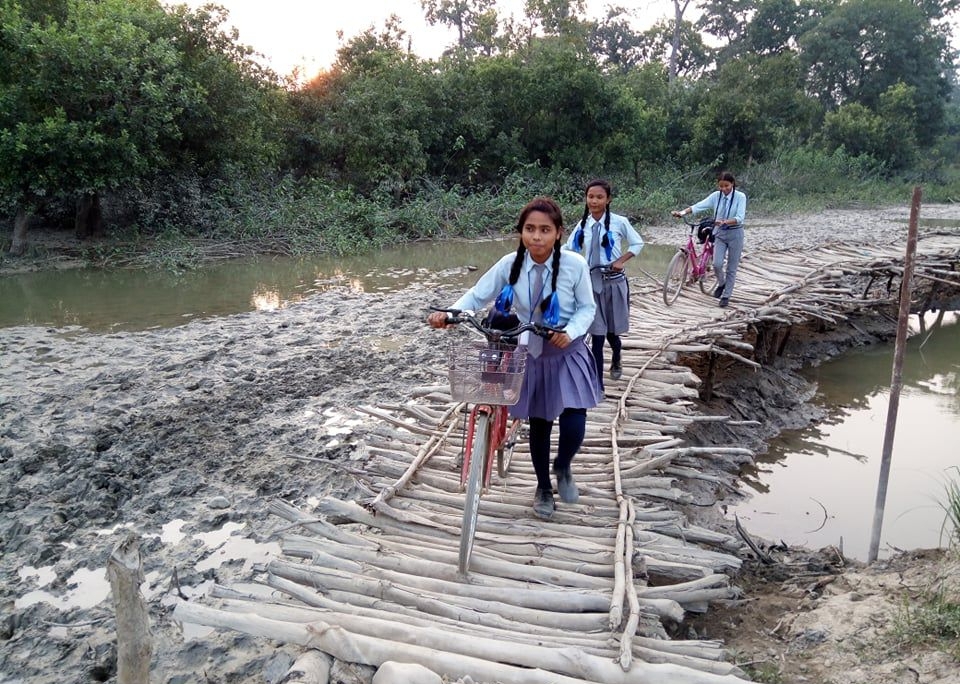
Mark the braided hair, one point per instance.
(549, 305)
(579, 236)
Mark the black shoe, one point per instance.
(724, 301)
(718, 291)
(543, 504)
(616, 372)
(566, 487)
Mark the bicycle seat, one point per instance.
(705, 230)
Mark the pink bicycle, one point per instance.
(688, 266)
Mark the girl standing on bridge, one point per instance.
(599, 237)
(729, 207)
(542, 282)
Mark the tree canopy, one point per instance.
(99, 95)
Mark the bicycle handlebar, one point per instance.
(696, 223)
(457, 316)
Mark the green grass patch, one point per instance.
(931, 620)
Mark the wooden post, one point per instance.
(134, 641)
(896, 382)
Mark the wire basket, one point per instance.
(486, 372)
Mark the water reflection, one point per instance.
(816, 487)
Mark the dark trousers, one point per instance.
(573, 425)
(597, 348)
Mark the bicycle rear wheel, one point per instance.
(476, 455)
(675, 277)
(707, 281)
(505, 452)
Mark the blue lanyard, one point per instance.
(729, 203)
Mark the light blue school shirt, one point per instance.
(718, 204)
(620, 231)
(574, 290)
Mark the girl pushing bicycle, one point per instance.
(729, 207)
(540, 282)
(607, 241)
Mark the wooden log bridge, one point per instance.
(595, 594)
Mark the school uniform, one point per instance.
(555, 379)
(611, 290)
(728, 240)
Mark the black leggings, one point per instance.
(597, 349)
(573, 425)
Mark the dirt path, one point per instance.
(182, 435)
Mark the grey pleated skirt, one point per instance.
(558, 379)
(613, 308)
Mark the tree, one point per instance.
(776, 25)
(114, 92)
(367, 123)
(475, 21)
(863, 47)
(751, 108)
(679, 8)
(888, 134)
(615, 41)
(561, 18)
(690, 60)
(91, 103)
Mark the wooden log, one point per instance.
(373, 651)
(310, 667)
(317, 605)
(134, 640)
(437, 602)
(344, 574)
(482, 566)
(392, 672)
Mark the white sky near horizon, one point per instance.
(303, 33)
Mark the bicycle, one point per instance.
(488, 374)
(687, 266)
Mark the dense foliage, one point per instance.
(171, 121)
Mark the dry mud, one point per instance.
(181, 436)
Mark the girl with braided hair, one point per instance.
(607, 241)
(560, 381)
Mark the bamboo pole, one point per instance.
(896, 381)
(367, 650)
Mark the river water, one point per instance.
(814, 487)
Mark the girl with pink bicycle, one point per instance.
(729, 207)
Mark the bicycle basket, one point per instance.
(705, 230)
(486, 372)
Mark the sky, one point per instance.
(303, 33)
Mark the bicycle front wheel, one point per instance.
(675, 277)
(477, 454)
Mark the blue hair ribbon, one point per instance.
(608, 245)
(578, 237)
(552, 315)
(505, 299)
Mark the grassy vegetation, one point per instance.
(178, 224)
(933, 619)
(951, 509)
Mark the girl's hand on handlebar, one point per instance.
(437, 319)
(560, 340)
(676, 214)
